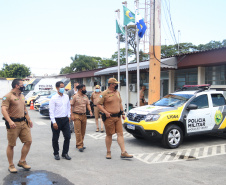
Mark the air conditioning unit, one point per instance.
(133, 87)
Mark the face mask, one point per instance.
(116, 87)
(97, 90)
(84, 92)
(22, 89)
(61, 90)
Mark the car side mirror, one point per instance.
(192, 107)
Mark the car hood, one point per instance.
(151, 109)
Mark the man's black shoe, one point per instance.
(66, 156)
(57, 157)
(84, 147)
(81, 149)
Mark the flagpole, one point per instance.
(118, 14)
(138, 63)
(127, 74)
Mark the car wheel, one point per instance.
(172, 136)
(138, 137)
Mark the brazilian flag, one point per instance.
(128, 16)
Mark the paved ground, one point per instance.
(200, 160)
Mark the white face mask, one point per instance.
(97, 90)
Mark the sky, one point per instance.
(45, 34)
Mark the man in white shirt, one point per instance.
(59, 109)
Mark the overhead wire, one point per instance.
(154, 39)
(171, 20)
(168, 24)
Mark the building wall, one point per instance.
(5, 87)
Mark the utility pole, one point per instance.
(155, 52)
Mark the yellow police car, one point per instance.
(183, 113)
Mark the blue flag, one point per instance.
(141, 27)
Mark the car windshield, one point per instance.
(173, 100)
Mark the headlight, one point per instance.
(152, 117)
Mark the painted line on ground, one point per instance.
(103, 135)
(182, 155)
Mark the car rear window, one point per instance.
(218, 100)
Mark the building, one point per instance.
(201, 67)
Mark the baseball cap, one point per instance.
(113, 81)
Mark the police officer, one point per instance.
(18, 124)
(112, 107)
(79, 103)
(142, 100)
(94, 98)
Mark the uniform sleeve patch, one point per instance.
(4, 98)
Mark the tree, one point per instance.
(170, 50)
(107, 63)
(131, 32)
(15, 70)
(122, 55)
(84, 63)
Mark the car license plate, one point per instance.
(131, 127)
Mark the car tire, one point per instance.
(172, 136)
(138, 137)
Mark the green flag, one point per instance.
(128, 16)
(119, 28)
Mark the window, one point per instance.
(123, 80)
(216, 75)
(201, 101)
(97, 80)
(88, 81)
(144, 80)
(218, 100)
(186, 77)
(106, 79)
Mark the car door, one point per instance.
(219, 111)
(199, 120)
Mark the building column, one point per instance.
(201, 75)
(102, 81)
(171, 81)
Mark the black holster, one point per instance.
(103, 116)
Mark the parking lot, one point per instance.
(199, 160)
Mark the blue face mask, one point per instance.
(97, 90)
(61, 90)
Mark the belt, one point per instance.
(115, 115)
(79, 113)
(17, 119)
(61, 118)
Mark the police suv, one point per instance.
(183, 113)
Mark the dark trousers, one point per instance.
(63, 125)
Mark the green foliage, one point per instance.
(170, 50)
(84, 63)
(122, 55)
(15, 70)
(107, 63)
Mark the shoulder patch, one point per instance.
(4, 98)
